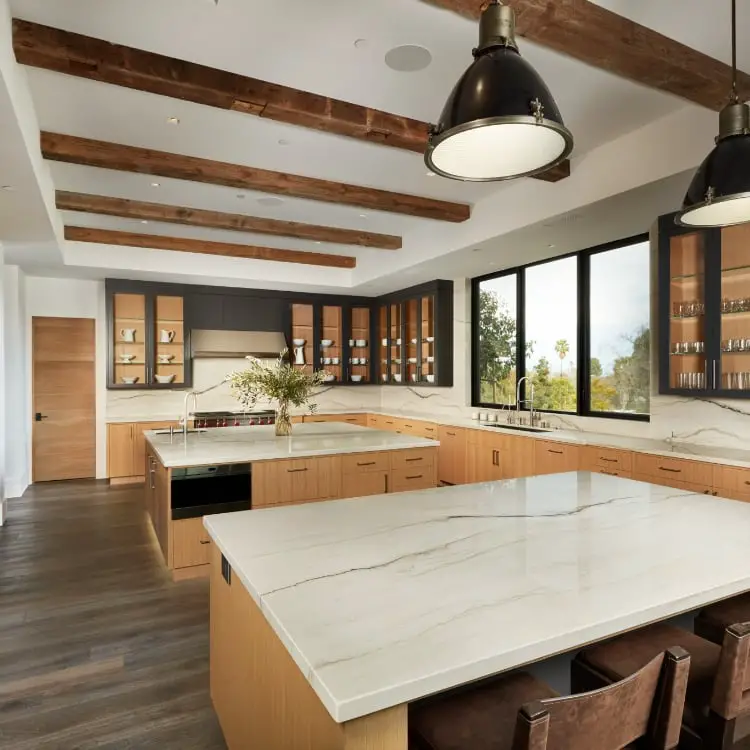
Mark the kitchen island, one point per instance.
(327, 620)
(239, 468)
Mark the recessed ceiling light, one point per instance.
(409, 58)
(360, 43)
(143, 221)
(318, 242)
(270, 201)
(173, 120)
(155, 184)
(283, 142)
(363, 216)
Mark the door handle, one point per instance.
(38, 417)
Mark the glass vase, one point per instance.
(283, 420)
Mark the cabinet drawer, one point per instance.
(413, 458)
(612, 472)
(419, 477)
(358, 463)
(419, 428)
(677, 469)
(609, 458)
(361, 485)
(732, 479)
(191, 543)
(552, 458)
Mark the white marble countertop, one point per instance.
(229, 445)
(386, 599)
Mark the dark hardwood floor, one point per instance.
(98, 648)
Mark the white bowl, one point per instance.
(384, 342)
(360, 342)
(413, 360)
(129, 381)
(325, 343)
(126, 359)
(299, 342)
(164, 378)
(430, 378)
(430, 339)
(165, 359)
(363, 360)
(356, 378)
(430, 359)
(329, 378)
(414, 341)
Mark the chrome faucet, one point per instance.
(195, 394)
(529, 401)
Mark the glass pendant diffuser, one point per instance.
(500, 121)
(719, 194)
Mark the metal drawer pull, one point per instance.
(421, 458)
(746, 482)
(559, 453)
(452, 434)
(431, 429)
(208, 541)
(416, 476)
(610, 473)
(294, 471)
(609, 460)
(365, 463)
(673, 471)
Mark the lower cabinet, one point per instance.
(126, 450)
(191, 544)
(554, 457)
(452, 455)
(358, 419)
(296, 480)
(361, 485)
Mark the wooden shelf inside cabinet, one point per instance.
(302, 330)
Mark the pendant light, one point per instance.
(500, 121)
(719, 195)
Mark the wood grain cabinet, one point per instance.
(554, 457)
(365, 474)
(296, 480)
(360, 420)
(191, 543)
(452, 455)
(126, 450)
(610, 461)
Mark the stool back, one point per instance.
(648, 704)
(731, 693)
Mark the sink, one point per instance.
(518, 427)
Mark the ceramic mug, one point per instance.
(355, 360)
(361, 342)
(351, 343)
(166, 337)
(326, 360)
(127, 334)
(334, 360)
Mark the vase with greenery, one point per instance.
(279, 382)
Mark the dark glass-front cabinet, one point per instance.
(415, 332)
(148, 341)
(704, 310)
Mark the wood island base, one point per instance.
(262, 698)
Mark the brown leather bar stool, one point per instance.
(519, 712)
(718, 692)
(711, 622)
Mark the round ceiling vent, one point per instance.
(409, 58)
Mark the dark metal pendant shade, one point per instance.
(719, 195)
(500, 121)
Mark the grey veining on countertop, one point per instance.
(228, 445)
(383, 600)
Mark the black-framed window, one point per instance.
(576, 327)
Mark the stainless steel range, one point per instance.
(207, 419)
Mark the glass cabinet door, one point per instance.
(301, 355)
(734, 369)
(169, 341)
(395, 344)
(359, 345)
(383, 346)
(688, 364)
(411, 312)
(129, 337)
(331, 340)
(427, 338)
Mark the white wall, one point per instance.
(17, 417)
(3, 414)
(73, 298)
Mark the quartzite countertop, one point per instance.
(386, 599)
(229, 445)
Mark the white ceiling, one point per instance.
(308, 45)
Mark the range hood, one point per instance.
(236, 344)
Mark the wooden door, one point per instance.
(63, 398)
(451, 455)
(121, 450)
(364, 483)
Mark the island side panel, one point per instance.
(261, 697)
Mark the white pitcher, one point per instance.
(127, 334)
(166, 337)
(299, 355)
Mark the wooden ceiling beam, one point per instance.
(91, 153)
(598, 37)
(196, 217)
(98, 60)
(184, 245)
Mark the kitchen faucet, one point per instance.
(525, 401)
(195, 394)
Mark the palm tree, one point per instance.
(562, 348)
